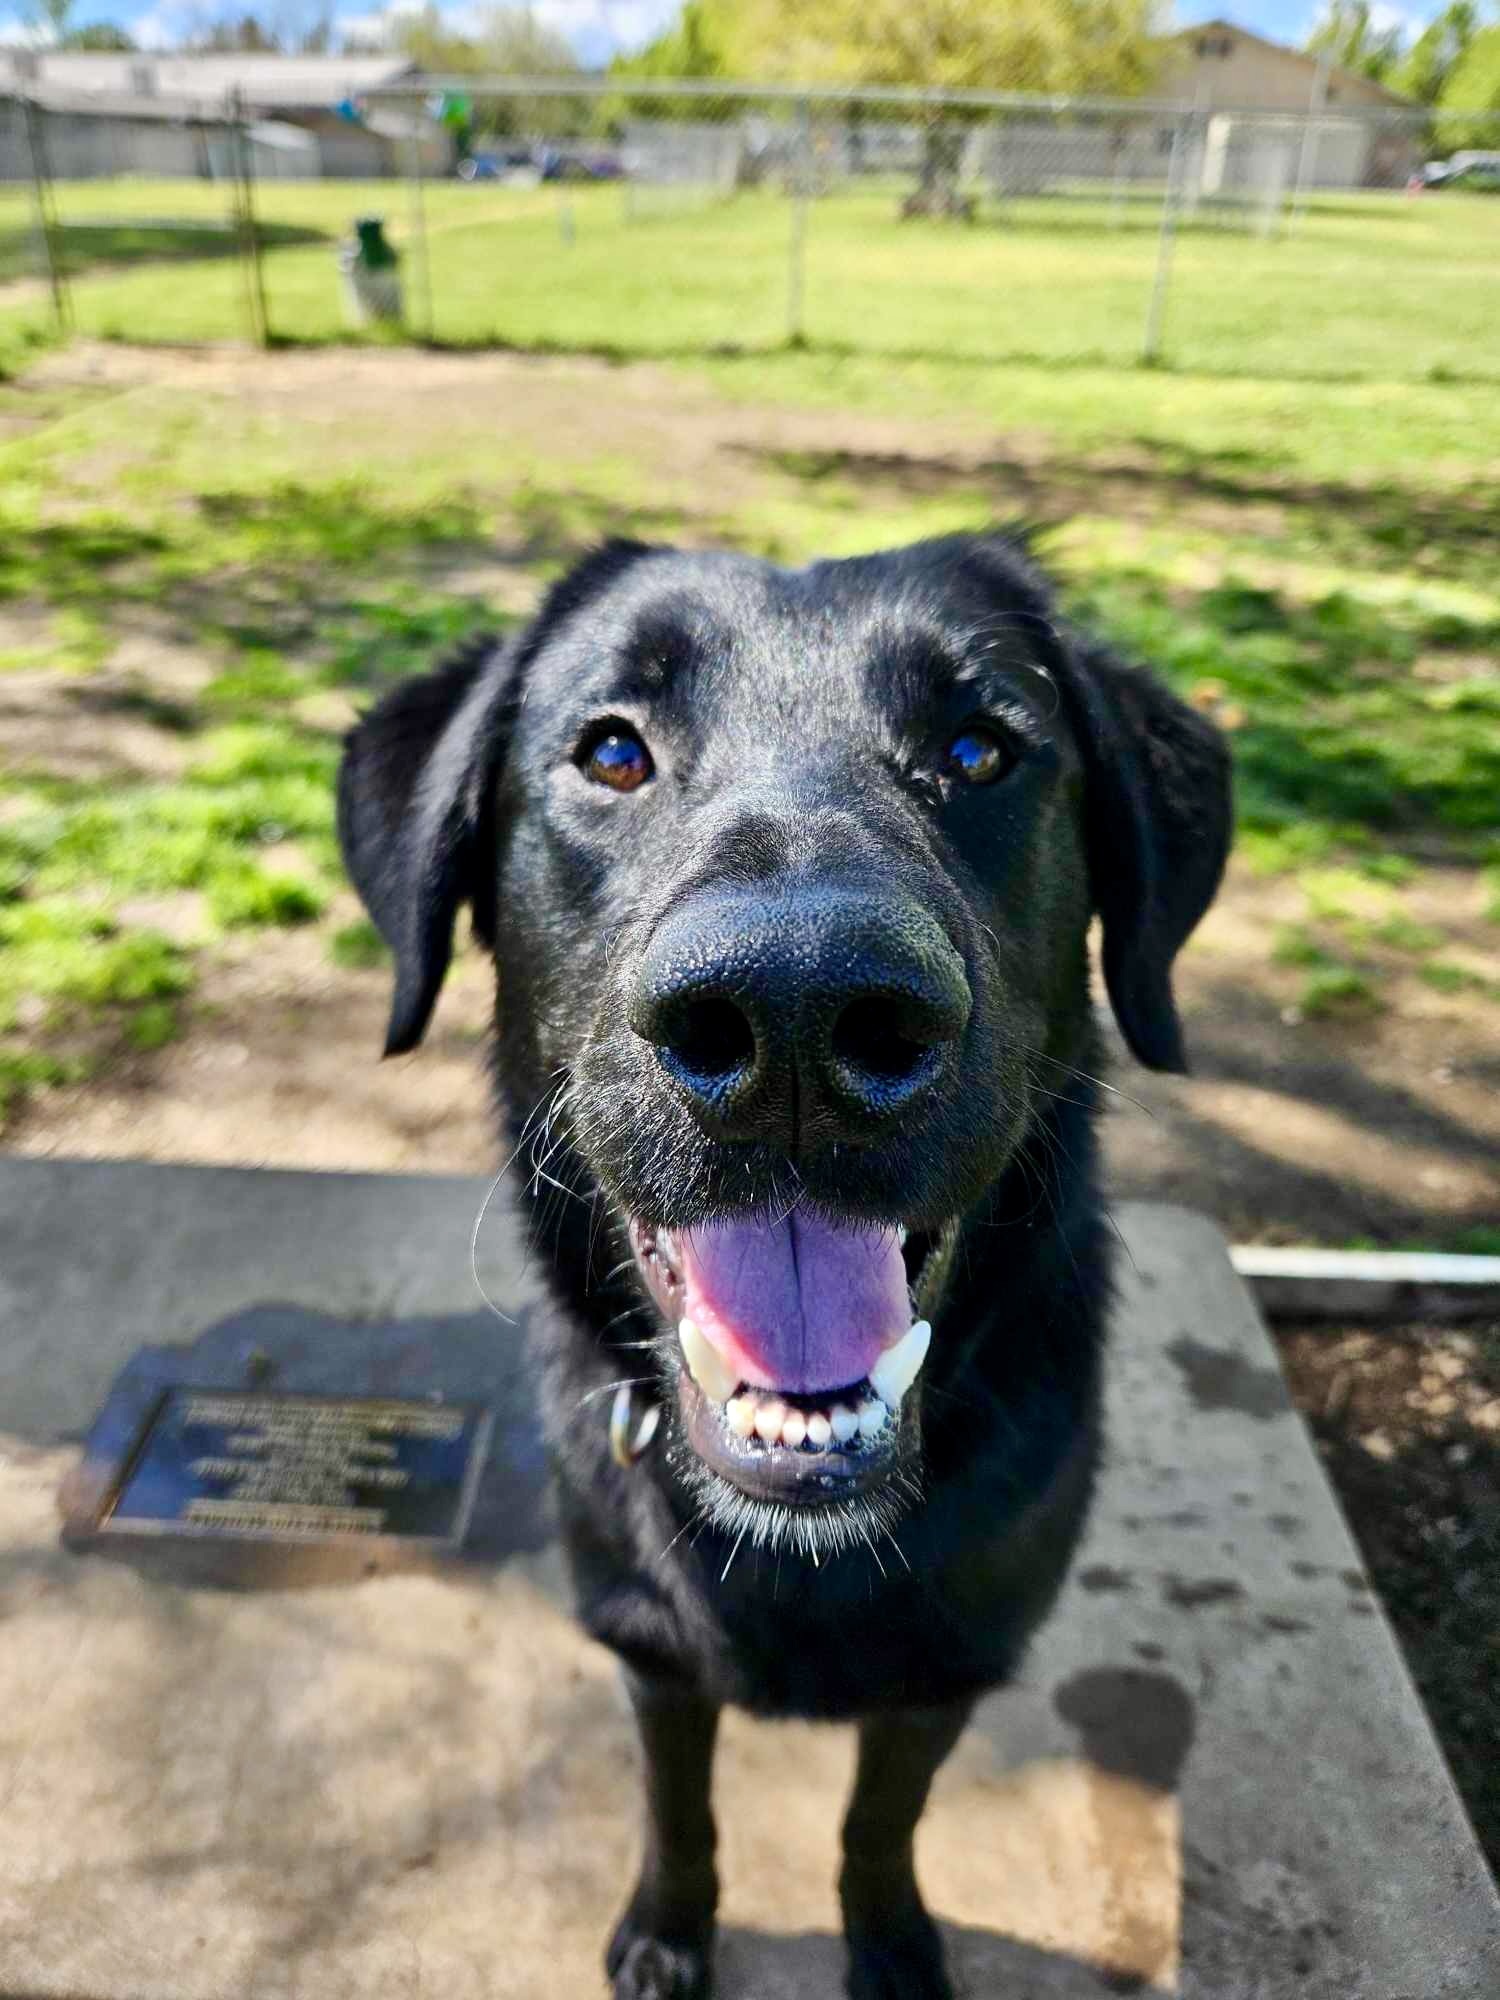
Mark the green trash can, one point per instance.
(371, 271)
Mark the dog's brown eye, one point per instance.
(979, 757)
(619, 759)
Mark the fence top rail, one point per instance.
(913, 96)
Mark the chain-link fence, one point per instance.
(644, 218)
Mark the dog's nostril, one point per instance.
(867, 1037)
(710, 1037)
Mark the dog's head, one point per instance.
(788, 877)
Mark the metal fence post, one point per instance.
(421, 264)
(1308, 151)
(242, 165)
(797, 249)
(46, 214)
(1165, 241)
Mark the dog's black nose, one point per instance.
(818, 1013)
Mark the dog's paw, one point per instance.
(903, 1963)
(645, 1966)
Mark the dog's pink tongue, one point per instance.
(799, 1304)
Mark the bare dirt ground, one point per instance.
(1408, 1427)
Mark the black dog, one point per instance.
(787, 876)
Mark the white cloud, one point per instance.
(617, 25)
(160, 27)
(16, 31)
(1384, 17)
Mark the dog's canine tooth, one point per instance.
(872, 1416)
(706, 1365)
(896, 1370)
(842, 1422)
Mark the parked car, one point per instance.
(1478, 172)
(556, 165)
(516, 164)
(524, 166)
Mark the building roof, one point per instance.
(1309, 62)
(265, 81)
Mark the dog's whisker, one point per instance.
(724, 1573)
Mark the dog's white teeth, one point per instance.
(896, 1370)
(740, 1414)
(666, 1243)
(842, 1422)
(758, 1413)
(706, 1365)
(769, 1417)
(902, 1232)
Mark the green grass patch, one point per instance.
(247, 896)
(24, 1070)
(1445, 977)
(153, 1025)
(1338, 990)
(1400, 933)
(73, 960)
(358, 946)
(1296, 945)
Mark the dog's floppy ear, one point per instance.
(1157, 811)
(416, 794)
(1157, 820)
(1157, 797)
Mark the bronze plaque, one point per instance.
(262, 1465)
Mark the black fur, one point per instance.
(798, 723)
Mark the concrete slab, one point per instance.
(1215, 1781)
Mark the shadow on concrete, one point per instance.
(809, 1965)
(473, 1359)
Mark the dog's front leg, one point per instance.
(662, 1948)
(895, 1952)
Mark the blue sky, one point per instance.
(596, 28)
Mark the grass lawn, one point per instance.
(1368, 288)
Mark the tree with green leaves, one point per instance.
(49, 18)
(1424, 70)
(503, 41)
(1346, 33)
(1067, 47)
(1474, 87)
(1107, 47)
(100, 38)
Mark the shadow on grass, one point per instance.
(1398, 520)
(1375, 715)
(82, 246)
